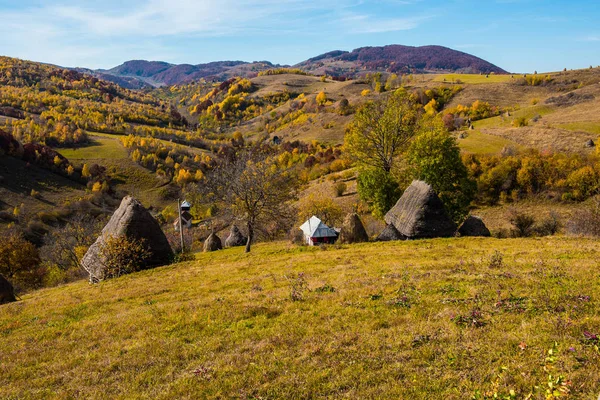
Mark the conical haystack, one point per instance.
(235, 238)
(474, 226)
(353, 230)
(134, 222)
(212, 243)
(420, 214)
(390, 233)
(7, 292)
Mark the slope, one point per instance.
(425, 319)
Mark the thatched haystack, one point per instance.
(212, 243)
(474, 226)
(353, 230)
(133, 221)
(390, 233)
(420, 214)
(235, 238)
(7, 292)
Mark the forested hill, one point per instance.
(393, 59)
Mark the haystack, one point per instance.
(390, 233)
(353, 230)
(420, 214)
(134, 222)
(474, 226)
(212, 243)
(235, 238)
(7, 292)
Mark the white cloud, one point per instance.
(356, 23)
(70, 32)
(591, 38)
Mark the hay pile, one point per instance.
(420, 214)
(212, 243)
(133, 221)
(7, 292)
(235, 238)
(474, 226)
(353, 230)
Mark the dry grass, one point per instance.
(426, 319)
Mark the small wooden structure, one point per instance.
(316, 232)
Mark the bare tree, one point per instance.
(65, 246)
(251, 187)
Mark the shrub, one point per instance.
(122, 255)
(549, 225)
(19, 260)
(322, 207)
(520, 122)
(523, 224)
(379, 189)
(339, 189)
(586, 222)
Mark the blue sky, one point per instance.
(517, 35)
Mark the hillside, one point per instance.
(397, 59)
(392, 59)
(140, 73)
(451, 318)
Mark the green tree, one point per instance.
(381, 131)
(434, 157)
(378, 189)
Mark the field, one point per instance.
(481, 143)
(445, 318)
(473, 78)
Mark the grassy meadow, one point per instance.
(432, 319)
(473, 78)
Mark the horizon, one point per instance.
(516, 35)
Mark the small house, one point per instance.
(316, 232)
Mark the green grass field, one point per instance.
(473, 78)
(100, 148)
(590, 127)
(506, 122)
(433, 319)
(481, 143)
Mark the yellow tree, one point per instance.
(321, 98)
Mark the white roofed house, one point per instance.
(316, 232)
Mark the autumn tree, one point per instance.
(434, 157)
(19, 259)
(382, 130)
(253, 188)
(321, 98)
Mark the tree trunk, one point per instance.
(250, 236)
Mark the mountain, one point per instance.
(398, 59)
(140, 73)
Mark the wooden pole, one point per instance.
(180, 225)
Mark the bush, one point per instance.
(586, 222)
(520, 122)
(523, 224)
(549, 226)
(19, 260)
(339, 189)
(122, 255)
(378, 189)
